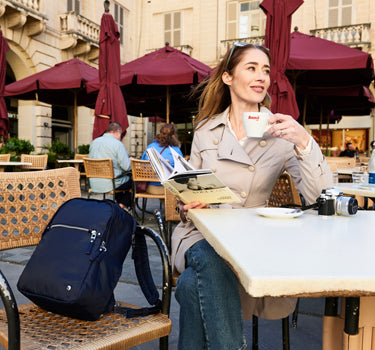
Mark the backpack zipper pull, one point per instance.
(92, 240)
(102, 250)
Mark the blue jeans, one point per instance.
(210, 306)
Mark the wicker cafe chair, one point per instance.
(284, 193)
(103, 169)
(38, 161)
(81, 167)
(30, 200)
(4, 158)
(143, 171)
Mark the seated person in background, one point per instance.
(349, 151)
(109, 145)
(166, 138)
(372, 147)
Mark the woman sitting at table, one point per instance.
(167, 137)
(208, 292)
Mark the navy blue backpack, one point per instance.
(78, 261)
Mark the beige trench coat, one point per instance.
(251, 171)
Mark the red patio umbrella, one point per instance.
(157, 76)
(324, 72)
(64, 84)
(110, 104)
(277, 39)
(4, 120)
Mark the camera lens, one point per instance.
(346, 205)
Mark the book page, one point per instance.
(180, 163)
(161, 167)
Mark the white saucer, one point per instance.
(279, 213)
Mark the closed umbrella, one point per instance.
(277, 39)
(4, 120)
(110, 104)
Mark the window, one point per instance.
(119, 19)
(339, 12)
(74, 5)
(173, 28)
(245, 19)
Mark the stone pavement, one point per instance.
(306, 336)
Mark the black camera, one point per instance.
(331, 201)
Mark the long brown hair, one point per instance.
(168, 136)
(215, 95)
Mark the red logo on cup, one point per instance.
(255, 118)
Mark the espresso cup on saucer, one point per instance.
(255, 123)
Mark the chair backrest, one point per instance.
(284, 192)
(171, 213)
(29, 201)
(4, 157)
(142, 171)
(38, 161)
(99, 168)
(81, 167)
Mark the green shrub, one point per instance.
(60, 149)
(83, 149)
(16, 147)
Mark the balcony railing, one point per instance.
(23, 14)
(184, 48)
(356, 35)
(26, 4)
(226, 44)
(70, 23)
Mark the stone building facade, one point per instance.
(42, 33)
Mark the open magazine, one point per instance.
(187, 183)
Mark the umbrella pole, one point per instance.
(327, 135)
(304, 111)
(75, 121)
(320, 125)
(168, 102)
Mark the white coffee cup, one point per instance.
(255, 123)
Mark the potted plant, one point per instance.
(57, 150)
(16, 147)
(83, 149)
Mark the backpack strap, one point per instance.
(144, 275)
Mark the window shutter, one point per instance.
(77, 6)
(232, 19)
(177, 29)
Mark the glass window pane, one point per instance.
(70, 5)
(121, 21)
(244, 26)
(346, 2)
(254, 5)
(244, 6)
